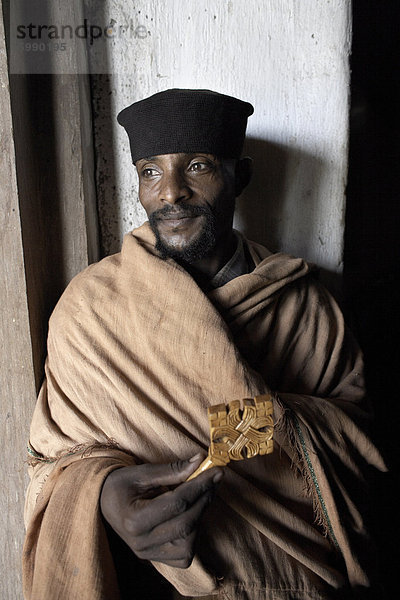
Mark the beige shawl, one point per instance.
(136, 353)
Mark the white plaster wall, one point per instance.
(289, 58)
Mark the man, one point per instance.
(189, 315)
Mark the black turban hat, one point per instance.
(186, 121)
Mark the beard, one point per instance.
(199, 247)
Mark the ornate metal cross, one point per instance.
(237, 434)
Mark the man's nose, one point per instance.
(174, 187)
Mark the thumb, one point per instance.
(151, 476)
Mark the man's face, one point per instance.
(189, 200)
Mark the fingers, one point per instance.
(178, 551)
(147, 477)
(172, 542)
(188, 499)
(156, 525)
(177, 528)
(171, 473)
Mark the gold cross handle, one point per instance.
(237, 433)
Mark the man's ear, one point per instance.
(243, 173)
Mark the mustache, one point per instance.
(183, 211)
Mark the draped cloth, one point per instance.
(136, 354)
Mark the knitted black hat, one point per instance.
(186, 121)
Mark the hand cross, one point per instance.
(237, 434)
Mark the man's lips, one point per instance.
(176, 218)
(177, 223)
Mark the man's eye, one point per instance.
(198, 166)
(148, 172)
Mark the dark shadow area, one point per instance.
(103, 133)
(372, 245)
(135, 574)
(38, 188)
(103, 119)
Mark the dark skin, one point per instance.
(152, 507)
(199, 180)
(155, 511)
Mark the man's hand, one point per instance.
(156, 524)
